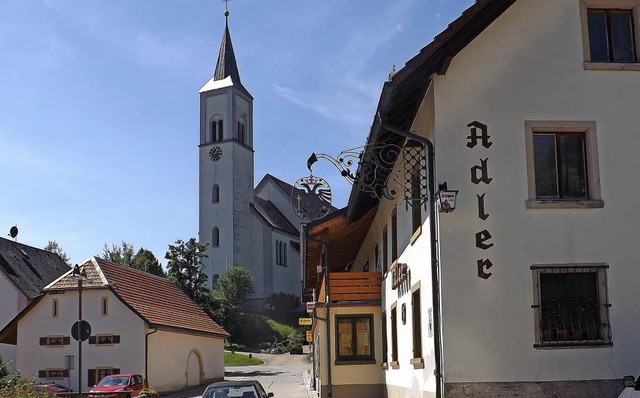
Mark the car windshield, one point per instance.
(231, 392)
(114, 381)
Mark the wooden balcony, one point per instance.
(353, 286)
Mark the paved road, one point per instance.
(281, 374)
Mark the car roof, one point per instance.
(124, 375)
(231, 383)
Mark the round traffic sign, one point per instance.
(85, 330)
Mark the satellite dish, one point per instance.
(13, 232)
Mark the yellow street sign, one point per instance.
(309, 337)
(304, 321)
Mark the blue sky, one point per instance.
(99, 107)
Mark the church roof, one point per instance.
(155, 299)
(270, 213)
(226, 73)
(286, 187)
(28, 268)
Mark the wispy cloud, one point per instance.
(351, 82)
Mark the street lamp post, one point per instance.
(78, 326)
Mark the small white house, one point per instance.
(140, 323)
(24, 272)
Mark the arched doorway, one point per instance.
(195, 369)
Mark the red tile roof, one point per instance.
(155, 299)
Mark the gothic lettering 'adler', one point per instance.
(480, 174)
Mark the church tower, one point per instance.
(225, 165)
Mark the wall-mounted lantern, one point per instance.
(446, 198)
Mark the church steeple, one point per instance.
(227, 65)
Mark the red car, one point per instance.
(50, 387)
(126, 385)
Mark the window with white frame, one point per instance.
(562, 164)
(570, 304)
(610, 39)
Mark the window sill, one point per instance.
(415, 235)
(556, 346)
(355, 362)
(564, 204)
(417, 363)
(631, 66)
(394, 365)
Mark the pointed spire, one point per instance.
(226, 65)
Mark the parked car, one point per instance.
(632, 387)
(236, 389)
(50, 387)
(126, 385)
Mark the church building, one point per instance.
(252, 227)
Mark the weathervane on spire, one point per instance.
(226, 7)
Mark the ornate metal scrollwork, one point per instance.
(376, 172)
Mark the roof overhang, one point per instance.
(403, 93)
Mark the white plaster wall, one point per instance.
(528, 66)
(349, 374)
(286, 278)
(13, 301)
(170, 357)
(128, 355)
(234, 175)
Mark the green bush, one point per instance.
(148, 392)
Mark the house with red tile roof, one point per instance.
(139, 323)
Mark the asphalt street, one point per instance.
(282, 374)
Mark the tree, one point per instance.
(53, 247)
(14, 385)
(122, 255)
(185, 268)
(146, 261)
(230, 300)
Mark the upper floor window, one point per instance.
(385, 250)
(214, 132)
(215, 193)
(562, 165)
(416, 321)
(394, 236)
(355, 338)
(242, 133)
(571, 305)
(215, 237)
(610, 39)
(281, 253)
(54, 308)
(104, 306)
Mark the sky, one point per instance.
(99, 107)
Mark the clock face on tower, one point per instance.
(215, 153)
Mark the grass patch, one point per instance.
(235, 359)
(286, 332)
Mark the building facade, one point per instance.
(244, 226)
(139, 323)
(527, 288)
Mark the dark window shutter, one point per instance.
(91, 377)
(66, 340)
(65, 373)
(116, 339)
(43, 341)
(42, 374)
(92, 339)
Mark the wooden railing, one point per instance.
(352, 286)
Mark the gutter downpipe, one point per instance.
(146, 355)
(327, 305)
(435, 268)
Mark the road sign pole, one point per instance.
(80, 339)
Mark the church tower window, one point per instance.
(219, 131)
(242, 134)
(215, 237)
(215, 193)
